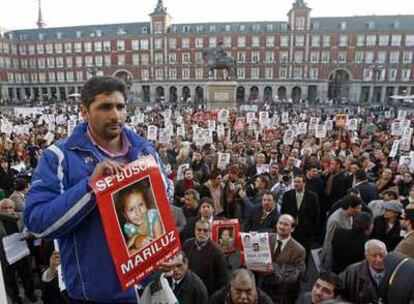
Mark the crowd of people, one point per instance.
(311, 178)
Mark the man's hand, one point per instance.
(242, 193)
(167, 266)
(54, 261)
(107, 167)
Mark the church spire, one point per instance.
(299, 4)
(40, 23)
(160, 8)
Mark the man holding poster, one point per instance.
(60, 204)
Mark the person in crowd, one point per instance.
(303, 206)
(241, 290)
(60, 205)
(263, 218)
(366, 189)
(183, 185)
(404, 184)
(142, 223)
(409, 199)
(377, 207)
(326, 287)
(199, 167)
(21, 187)
(205, 258)
(387, 227)
(348, 244)
(214, 189)
(337, 182)
(288, 258)
(188, 288)
(50, 292)
(406, 246)
(362, 280)
(341, 218)
(385, 181)
(191, 204)
(253, 196)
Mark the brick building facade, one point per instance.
(361, 59)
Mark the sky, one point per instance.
(22, 14)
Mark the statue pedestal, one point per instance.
(221, 95)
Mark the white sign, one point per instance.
(164, 136)
(285, 117)
(263, 117)
(250, 117)
(256, 250)
(302, 128)
(181, 131)
(152, 132)
(394, 149)
(320, 131)
(396, 128)
(220, 131)
(223, 116)
(402, 115)
(223, 160)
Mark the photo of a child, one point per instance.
(226, 240)
(138, 216)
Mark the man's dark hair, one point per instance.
(268, 192)
(310, 166)
(101, 85)
(194, 193)
(20, 184)
(350, 200)
(360, 175)
(391, 193)
(330, 278)
(303, 177)
(214, 174)
(340, 162)
(362, 221)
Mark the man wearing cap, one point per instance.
(387, 227)
(377, 206)
(406, 246)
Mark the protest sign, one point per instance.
(263, 117)
(256, 251)
(223, 160)
(401, 115)
(329, 125)
(164, 136)
(181, 131)
(239, 124)
(220, 131)
(387, 114)
(288, 137)
(340, 120)
(394, 149)
(137, 220)
(405, 145)
(211, 124)
(352, 124)
(313, 122)
(285, 117)
(302, 128)
(396, 128)
(407, 134)
(180, 171)
(223, 116)
(224, 233)
(152, 132)
(250, 117)
(320, 131)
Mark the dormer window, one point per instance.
(59, 35)
(199, 28)
(343, 26)
(78, 34)
(186, 29)
(144, 30)
(371, 25)
(315, 26)
(300, 23)
(121, 31)
(98, 33)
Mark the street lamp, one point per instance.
(376, 69)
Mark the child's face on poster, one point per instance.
(135, 208)
(225, 235)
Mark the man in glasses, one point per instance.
(205, 258)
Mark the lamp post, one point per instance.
(376, 69)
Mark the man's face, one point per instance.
(106, 116)
(268, 202)
(189, 201)
(355, 210)
(180, 267)
(202, 232)
(284, 226)
(206, 210)
(243, 291)
(312, 173)
(299, 184)
(353, 168)
(274, 169)
(375, 257)
(216, 181)
(322, 291)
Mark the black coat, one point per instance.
(390, 238)
(256, 222)
(368, 191)
(347, 248)
(222, 296)
(307, 216)
(191, 290)
(340, 185)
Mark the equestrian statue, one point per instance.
(218, 59)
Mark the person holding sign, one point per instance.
(60, 204)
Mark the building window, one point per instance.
(369, 57)
(256, 27)
(40, 48)
(212, 28)
(69, 62)
(325, 57)
(144, 44)
(32, 49)
(254, 73)
(371, 40)
(144, 74)
(107, 60)
(297, 73)
(42, 77)
(255, 41)
(284, 41)
(120, 45)
(199, 57)
(269, 73)
(283, 73)
(300, 23)
(49, 48)
(172, 58)
(241, 41)
(158, 43)
(242, 27)
(199, 73)
(241, 57)
(50, 62)
(316, 41)
(158, 27)
(107, 46)
(212, 42)
(383, 40)
(79, 61)
(313, 73)
(99, 61)
(159, 74)
(314, 57)
(407, 57)
(409, 40)
(69, 76)
(371, 25)
(326, 40)
(199, 28)
(78, 34)
(342, 57)
(60, 76)
(343, 40)
(241, 73)
(59, 62)
(227, 42)
(406, 74)
(270, 41)
(198, 42)
(186, 74)
(135, 59)
(158, 58)
(172, 74)
(396, 40)
(79, 75)
(359, 56)
(269, 57)
(144, 30)
(185, 43)
(269, 27)
(172, 43)
(300, 41)
(394, 57)
(144, 59)
(381, 57)
(298, 56)
(78, 47)
(360, 40)
(284, 57)
(185, 58)
(343, 26)
(392, 74)
(52, 76)
(255, 57)
(367, 75)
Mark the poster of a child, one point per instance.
(226, 239)
(138, 215)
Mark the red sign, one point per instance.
(225, 233)
(137, 220)
(240, 124)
